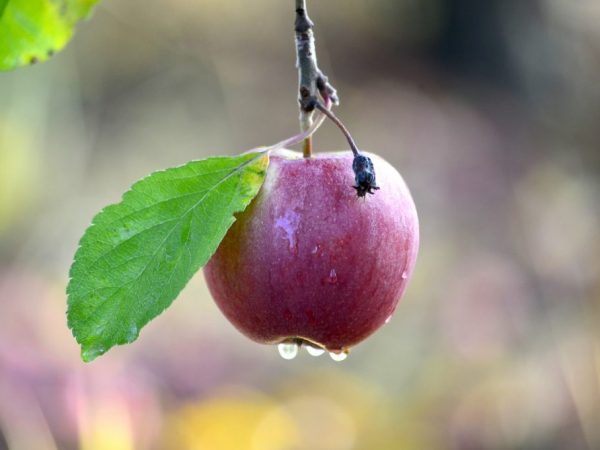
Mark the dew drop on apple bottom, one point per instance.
(288, 350)
(314, 351)
(338, 356)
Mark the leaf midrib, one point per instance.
(161, 202)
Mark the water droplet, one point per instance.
(90, 354)
(288, 350)
(314, 351)
(124, 232)
(133, 333)
(388, 319)
(332, 278)
(316, 249)
(404, 275)
(338, 356)
(99, 329)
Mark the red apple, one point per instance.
(310, 261)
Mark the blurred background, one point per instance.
(490, 110)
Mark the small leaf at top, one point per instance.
(2, 6)
(140, 253)
(33, 30)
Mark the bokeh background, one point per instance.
(489, 109)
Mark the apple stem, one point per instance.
(307, 148)
(312, 82)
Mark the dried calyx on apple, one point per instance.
(364, 175)
(309, 262)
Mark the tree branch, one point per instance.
(312, 82)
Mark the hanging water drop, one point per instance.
(288, 350)
(338, 356)
(314, 351)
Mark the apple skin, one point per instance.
(309, 260)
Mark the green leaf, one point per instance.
(33, 30)
(140, 253)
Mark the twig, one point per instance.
(313, 84)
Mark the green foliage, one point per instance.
(139, 254)
(3, 4)
(33, 30)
